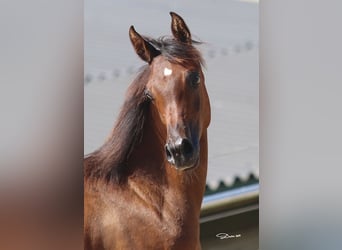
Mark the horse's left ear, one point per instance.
(179, 29)
(143, 48)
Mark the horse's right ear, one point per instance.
(143, 48)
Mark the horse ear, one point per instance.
(143, 48)
(179, 29)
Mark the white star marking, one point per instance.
(167, 72)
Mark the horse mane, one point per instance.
(109, 162)
(110, 159)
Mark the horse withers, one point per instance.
(143, 187)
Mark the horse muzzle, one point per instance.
(182, 154)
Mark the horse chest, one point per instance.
(131, 225)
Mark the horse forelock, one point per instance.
(178, 52)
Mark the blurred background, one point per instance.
(229, 32)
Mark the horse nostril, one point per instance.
(180, 152)
(186, 147)
(168, 153)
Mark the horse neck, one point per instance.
(172, 189)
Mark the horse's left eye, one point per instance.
(194, 79)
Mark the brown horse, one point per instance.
(144, 187)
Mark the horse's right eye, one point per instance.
(148, 94)
(194, 79)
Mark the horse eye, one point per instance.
(194, 79)
(148, 94)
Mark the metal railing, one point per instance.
(229, 203)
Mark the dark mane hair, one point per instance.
(110, 159)
(177, 52)
(109, 162)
